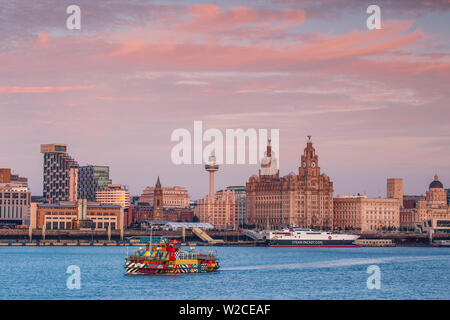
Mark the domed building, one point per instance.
(436, 196)
(432, 211)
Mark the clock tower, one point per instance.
(309, 165)
(158, 201)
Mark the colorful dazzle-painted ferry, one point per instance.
(167, 257)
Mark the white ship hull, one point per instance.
(296, 237)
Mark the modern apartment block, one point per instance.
(92, 179)
(114, 194)
(60, 174)
(14, 199)
(218, 210)
(241, 204)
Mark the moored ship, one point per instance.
(301, 237)
(166, 257)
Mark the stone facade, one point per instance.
(366, 214)
(303, 200)
(14, 199)
(155, 209)
(434, 204)
(173, 197)
(241, 204)
(218, 210)
(394, 189)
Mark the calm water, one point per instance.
(246, 273)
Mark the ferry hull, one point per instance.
(312, 243)
(169, 267)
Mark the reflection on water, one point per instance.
(246, 273)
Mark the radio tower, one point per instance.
(211, 167)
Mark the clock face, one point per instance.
(313, 164)
(304, 164)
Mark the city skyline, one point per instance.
(374, 101)
(221, 186)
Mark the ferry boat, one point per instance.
(301, 237)
(166, 257)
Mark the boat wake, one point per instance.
(337, 263)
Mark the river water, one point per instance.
(246, 273)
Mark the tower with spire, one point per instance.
(303, 200)
(211, 167)
(158, 201)
(269, 163)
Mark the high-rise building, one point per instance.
(394, 189)
(448, 196)
(60, 174)
(304, 199)
(92, 179)
(218, 210)
(14, 199)
(114, 194)
(366, 214)
(5, 175)
(241, 204)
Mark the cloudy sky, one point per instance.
(376, 102)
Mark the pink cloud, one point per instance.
(46, 89)
(44, 38)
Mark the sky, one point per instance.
(376, 102)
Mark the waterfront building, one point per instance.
(143, 211)
(14, 199)
(60, 174)
(114, 194)
(410, 201)
(303, 200)
(366, 214)
(434, 204)
(241, 204)
(5, 175)
(73, 214)
(173, 197)
(394, 189)
(157, 208)
(92, 179)
(217, 209)
(407, 218)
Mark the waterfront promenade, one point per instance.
(20, 237)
